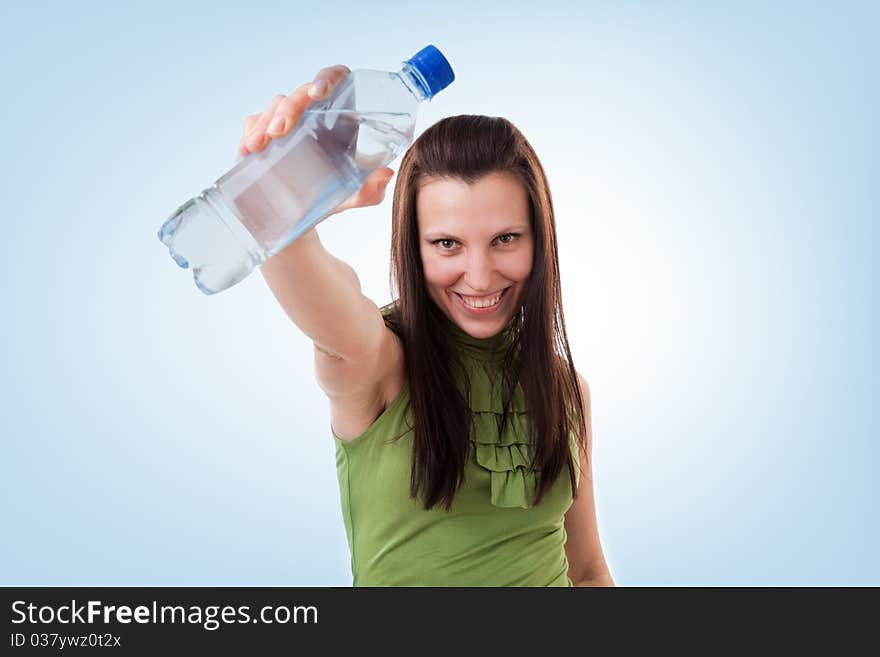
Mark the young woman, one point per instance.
(462, 428)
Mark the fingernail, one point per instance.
(318, 89)
(278, 124)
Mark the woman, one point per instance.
(462, 428)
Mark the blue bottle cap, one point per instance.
(433, 67)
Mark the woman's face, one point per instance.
(476, 243)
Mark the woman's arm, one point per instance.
(586, 562)
(319, 292)
(322, 295)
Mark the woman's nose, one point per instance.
(479, 273)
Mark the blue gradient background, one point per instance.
(714, 172)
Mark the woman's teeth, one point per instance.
(482, 303)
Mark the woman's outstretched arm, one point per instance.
(319, 292)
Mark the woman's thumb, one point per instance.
(382, 177)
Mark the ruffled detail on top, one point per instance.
(484, 349)
(507, 460)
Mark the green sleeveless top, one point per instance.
(492, 535)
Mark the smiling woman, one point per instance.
(456, 478)
(479, 279)
(462, 429)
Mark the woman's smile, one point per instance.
(486, 305)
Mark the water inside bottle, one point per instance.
(270, 198)
(218, 251)
(284, 190)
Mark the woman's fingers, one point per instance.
(372, 192)
(249, 123)
(284, 112)
(256, 137)
(332, 75)
(289, 111)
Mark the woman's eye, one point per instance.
(447, 244)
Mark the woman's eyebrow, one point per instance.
(442, 235)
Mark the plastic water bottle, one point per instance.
(271, 197)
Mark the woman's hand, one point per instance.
(284, 112)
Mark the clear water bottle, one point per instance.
(271, 197)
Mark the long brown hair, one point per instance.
(538, 359)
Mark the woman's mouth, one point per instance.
(482, 305)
